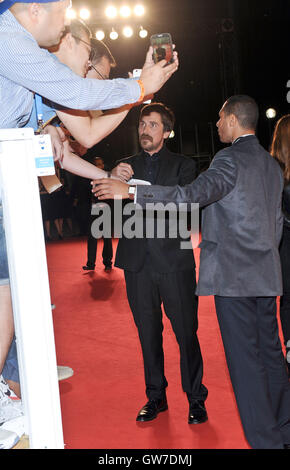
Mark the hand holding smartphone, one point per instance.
(162, 47)
(154, 75)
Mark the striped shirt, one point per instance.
(26, 68)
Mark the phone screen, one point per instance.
(162, 47)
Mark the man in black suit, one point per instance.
(239, 264)
(158, 271)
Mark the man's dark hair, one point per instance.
(167, 116)
(99, 50)
(244, 108)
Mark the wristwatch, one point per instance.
(132, 192)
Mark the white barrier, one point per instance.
(30, 289)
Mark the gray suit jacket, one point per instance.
(242, 221)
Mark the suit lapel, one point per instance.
(138, 167)
(164, 168)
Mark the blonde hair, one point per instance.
(280, 148)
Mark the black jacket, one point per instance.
(166, 254)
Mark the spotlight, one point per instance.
(271, 113)
(100, 35)
(114, 35)
(85, 14)
(139, 10)
(125, 11)
(143, 33)
(111, 11)
(128, 31)
(71, 14)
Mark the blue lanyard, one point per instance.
(38, 109)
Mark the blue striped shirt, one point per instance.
(26, 68)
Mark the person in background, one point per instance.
(92, 243)
(280, 150)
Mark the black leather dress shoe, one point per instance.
(197, 412)
(88, 268)
(151, 410)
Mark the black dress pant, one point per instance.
(257, 368)
(107, 252)
(92, 245)
(146, 290)
(285, 299)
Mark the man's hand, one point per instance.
(108, 188)
(123, 171)
(153, 75)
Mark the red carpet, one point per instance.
(96, 336)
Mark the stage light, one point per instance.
(100, 35)
(143, 33)
(139, 10)
(171, 135)
(111, 11)
(114, 35)
(71, 14)
(128, 31)
(85, 14)
(125, 11)
(271, 113)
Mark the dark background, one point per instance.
(225, 47)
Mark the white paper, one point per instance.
(136, 182)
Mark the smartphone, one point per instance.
(162, 47)
(136, 74)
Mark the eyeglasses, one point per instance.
(91, 66)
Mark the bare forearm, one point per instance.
(78, 166)
(88, 129)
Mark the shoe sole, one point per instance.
(198, 421)
(142, 419)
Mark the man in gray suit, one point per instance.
(239, 264)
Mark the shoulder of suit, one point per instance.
(178, 156)
(225, 152)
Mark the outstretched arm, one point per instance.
(89, 130)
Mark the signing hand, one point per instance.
(108, 188)
(123, 172)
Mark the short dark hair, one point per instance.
(245, 109)
(167, 115)
(99, 50)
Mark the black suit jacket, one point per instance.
(165, 254)
(241, 221)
